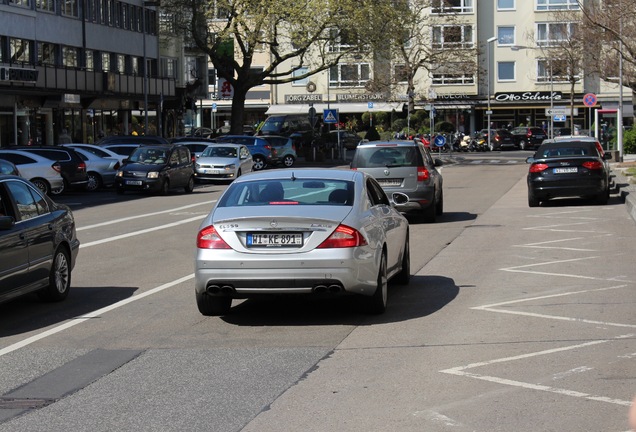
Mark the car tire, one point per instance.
(59, 277)
(429, 214)
(533, 201)
(60, 190)
(165, 188)
(376, 304)
(212, 305)
(239, 173)
(602, 198)
(288, 161)
(43, 185)
(94, 181)
(404, 275)
(189, 187)
(440, 204)
(259, 163)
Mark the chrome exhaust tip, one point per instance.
(320, 289)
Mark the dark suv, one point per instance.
(526, 138)
(407, 172)
(156, 168)
(73, 167)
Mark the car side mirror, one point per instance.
(607, 156)
(438, 162)
(6, 222)
(125, 161)
(530, 160)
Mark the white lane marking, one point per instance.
(461, 371)
(580, 369)
(91, 315)
(144, 231)
(553, 228)
(543, 245)
(114, 221)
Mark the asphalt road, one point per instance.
(516, 319)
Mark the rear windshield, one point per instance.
(566, 150)
(289, 192)
(404, 156)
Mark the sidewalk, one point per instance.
(626, 185)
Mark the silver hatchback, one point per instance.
(408, 174)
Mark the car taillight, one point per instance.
(538, 167)
(81, 166)
(343, 237)
(56, 166)
(294, 147)
(268, 147)
(529, 134)
(422, 174)
(593, 165)
(208, 238)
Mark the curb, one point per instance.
(626, 190)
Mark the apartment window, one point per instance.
(169, 67)
(90, 60)
(134, 65)
(505, 5)
(45, 5)
(298, 72)
(506, 35)
(117, 15)
(19, 50)
(23, 3)
(69, 8)
(453, 78)
(555, 72)
(105, 62)
(544, 5)
(121, 63)
(553, 33)
(452, 36)
(70, 57)
(220, 12)
(46, 53)
(452, 6)
(167, 23)
(400, 74)
(125, 16)
(341, 40)
(505, 71)
(349, 75)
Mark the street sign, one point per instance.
(214, 107)
(589, 100)
(489, 112)
(440, 140)
(560, 118)
(557, 111)
(330, 116)
(370, 105)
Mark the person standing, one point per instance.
(64, 137)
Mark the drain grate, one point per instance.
(6, 403)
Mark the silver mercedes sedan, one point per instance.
(308, 231)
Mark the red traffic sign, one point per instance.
(589, 100)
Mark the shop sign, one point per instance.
(71, 98)
(18, 74)
(303, 98)
(360, 97)
(528, 96)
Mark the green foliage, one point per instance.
(629, 141)
(381, 119)
(399, 125)
(444, 127)
(372, 134)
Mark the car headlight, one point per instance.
(231, 167)
(197, 166)
(153, 174)
(120, 173)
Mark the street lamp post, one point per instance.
(489, 112)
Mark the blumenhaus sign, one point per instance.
(528, 96)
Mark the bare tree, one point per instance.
(407, 36)
(298, 36)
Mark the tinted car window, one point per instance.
(30, 204)
(53, 154)
(17, 159)
(184, 156)
(387, 156)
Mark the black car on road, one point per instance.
(569, 167)
(38, 242)
(527, 138)
(157, 168)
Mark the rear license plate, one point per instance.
(565, 170)
(133, 182)
(274, 239)
(390, 182)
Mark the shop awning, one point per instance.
(344, 108)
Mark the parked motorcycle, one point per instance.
(479, 142)
(461, 142)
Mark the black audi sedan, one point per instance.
(38, 242)
(569, 167)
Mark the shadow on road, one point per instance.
(28, 313)
(423, 296)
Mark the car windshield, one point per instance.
(368, 157)
(290, 191)
(563, 151)
(149, 156)
(273, 124)
(220, 151)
